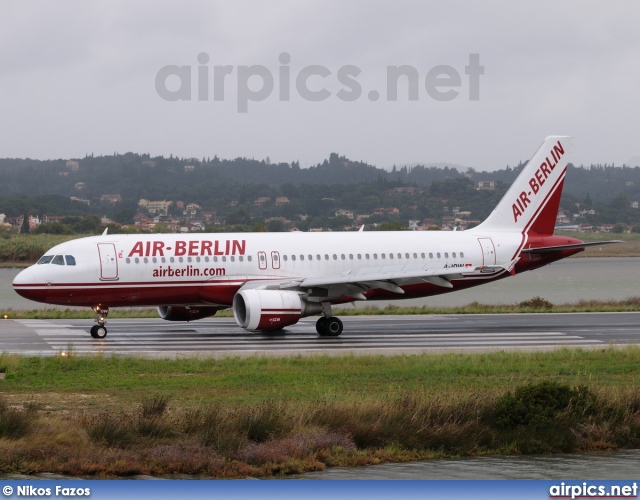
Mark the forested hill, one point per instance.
(132, 175)
(135, 176)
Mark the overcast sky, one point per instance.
(82, 77)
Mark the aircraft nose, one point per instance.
(25, 277)
(22, 283)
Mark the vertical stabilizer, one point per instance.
(531, 203)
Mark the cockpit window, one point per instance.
(71, 261)
(45, 259)
(59, 260)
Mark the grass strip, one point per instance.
(260, 417)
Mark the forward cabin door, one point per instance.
(108, 261)
(488, 251)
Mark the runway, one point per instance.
(217, 337)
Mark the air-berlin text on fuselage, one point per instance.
(537, 180)
(191, 248)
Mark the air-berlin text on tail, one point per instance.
(190, 248)
(537, 180)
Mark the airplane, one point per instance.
(271, 280)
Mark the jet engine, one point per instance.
(180, 313)
(270, 309)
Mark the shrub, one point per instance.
(537, 405)
(108, 429)
(154, 406)
(536, 303)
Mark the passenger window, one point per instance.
(318, 257)
(453, 255)
(197, 259)
(415, 255)
(233, 259)
(71, 261)
(302, 257)
(188, 259)
(171, 259)
(422, 255)
(406, 255)
(350, 256)
(45, 259)
(137, 260)
(154, 260)
(293, 257)
(326, 256)
(446, 255)
(163, 260)
(128, 260)
(249, 258)
(285, 258)
(146, 261)
(241, 258)
(310, 257)
(366, 256)
(375, 256)
(342, 256)
(461, 255)
(430, 255)
(384, 256)
(335, 257)
(438, 254)
(224, 258)
(180, 259)
(206, 259)
(391, 256)
(59, 260)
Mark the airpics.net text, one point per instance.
(312, 83)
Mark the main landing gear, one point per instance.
(328, 325)
(99, 331)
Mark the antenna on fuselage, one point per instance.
(361, 228)
(105, 231)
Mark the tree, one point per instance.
(24, 229)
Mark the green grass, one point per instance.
(127, 380)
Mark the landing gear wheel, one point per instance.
(320, 325)
(98, 332)
(329, 327)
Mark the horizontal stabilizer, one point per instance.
(558, 248)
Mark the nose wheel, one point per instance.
(99, 331)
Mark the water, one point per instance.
(565, 281)
(603, 465)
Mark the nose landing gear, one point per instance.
(99, 331)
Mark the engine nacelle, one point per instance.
(180, 313)
(270, 309)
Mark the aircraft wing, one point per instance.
(389, 278)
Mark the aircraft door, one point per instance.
(275, 260)
(262, 260)
(488, 251)
(108, 261)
